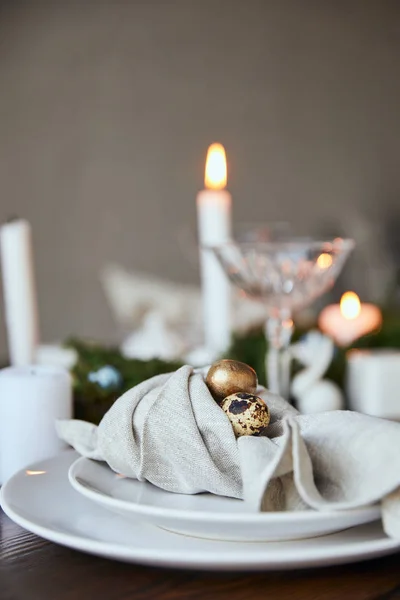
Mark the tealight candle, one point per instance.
(349, 320)
(32, 398)
(214, 228)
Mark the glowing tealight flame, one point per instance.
(35, 472)
(324, 261)
(215, 176)
(287, 323)
(350, 306)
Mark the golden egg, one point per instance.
(226, 377)
(248, 414)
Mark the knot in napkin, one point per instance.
(169, 431)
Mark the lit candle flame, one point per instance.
(287, 323)
(324, 261)
(215, 176)
(350, 306)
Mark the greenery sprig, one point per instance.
(101, 374)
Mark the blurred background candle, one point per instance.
(19, 291)
(349, 320)
(373, 382)
(214, 228)
(31, 399)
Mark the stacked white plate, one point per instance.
(84, 505)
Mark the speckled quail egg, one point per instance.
(248, 414)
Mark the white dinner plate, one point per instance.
(41, 500)
(205, 515)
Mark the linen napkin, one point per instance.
(169, 431)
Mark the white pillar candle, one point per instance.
(373, 382)
(31, 399)
(349, 320)
(214, 228)
(19, 292)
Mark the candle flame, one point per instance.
(350, 306)
(215, 176)
(324, 261)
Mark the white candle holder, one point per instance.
(31, 399)
(373, 382)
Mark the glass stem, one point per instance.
(278, 331)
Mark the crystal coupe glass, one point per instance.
(286, 276)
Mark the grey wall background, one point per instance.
(107, 108)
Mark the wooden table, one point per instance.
(33, 569)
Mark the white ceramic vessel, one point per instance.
(42, 501)
(204, 515)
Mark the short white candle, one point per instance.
(373, 382)
(19, 292)
(31, 399)
(349, 320)
(214, 228)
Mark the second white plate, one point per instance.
(205, 515)
(42, 501)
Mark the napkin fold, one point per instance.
(169, 431)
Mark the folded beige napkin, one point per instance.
(168, 430)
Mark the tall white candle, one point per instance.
(214, 228)
(19, 291)
(31, 399)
